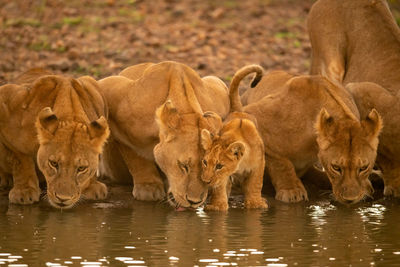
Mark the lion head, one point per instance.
(178, 153)
(221, 158)
(347, 151)
(68, 155)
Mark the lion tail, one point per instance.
(236, 104)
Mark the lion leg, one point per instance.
(330, 65)
(252, 187)
(288, 186)
(219, 198)
(26, 188)
(94, 190)
(147, 183)
(5, 168)
(328, 53)
(391, 179)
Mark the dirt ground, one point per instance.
(100, 38)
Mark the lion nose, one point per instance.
(349, 195)
(62, 198)
(193, 202)
(346, 201)
(206, 181)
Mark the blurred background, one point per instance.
(100, 38)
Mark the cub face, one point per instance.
(221, 158)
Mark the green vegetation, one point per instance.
(230, 4)
(72, 20)
(285, 35)
(228, 78)
(132, 14)
(41, 44)
(396, 15)
(171, 48)
(96, 71)
(297, 43)
(20, 22)
(61, 49)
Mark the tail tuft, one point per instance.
(236, 104)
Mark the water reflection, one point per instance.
(318, 233)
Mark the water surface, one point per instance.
(117, 233)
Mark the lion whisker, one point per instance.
(44, 196)
(325, 192)
(163, 201)
(367, 197)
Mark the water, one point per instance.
(123, 232)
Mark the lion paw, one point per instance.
(221, 206)
(256, 203)
(148, 192)
(24, 195)
(391, 191)
(96, 190)
(291, 195)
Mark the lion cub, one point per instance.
(237, 152)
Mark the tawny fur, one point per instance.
(58, 124)
(355, 41)
(303, 119)
(156, 114)
(236, 151)
(358, 43)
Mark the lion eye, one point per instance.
(53, 164)
(183, 166)
(82, 168)
(205, 162)
(336, 168)
(363, 168)
(218, 166)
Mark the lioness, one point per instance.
(359, 41)
(370, 95)
(158, 108)
(60, 122)
(355, 41)
(309, 118)
(236, 151)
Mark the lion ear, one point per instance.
(167, 116)
(46, 124)
(372, 125)
(236, 150)
(323, 126)
(211, 121)
(206, 139)
(168, 120)
(99, 132)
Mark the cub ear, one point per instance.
(236, 150)
(323, 126)
(211, 121)
(99, 132)
(206, 139)
(373, 125)
(46, 125)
